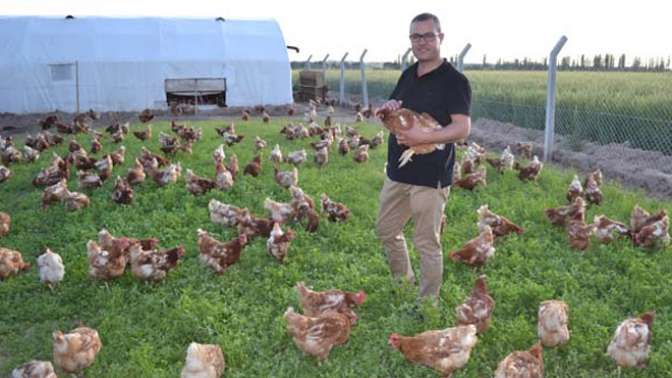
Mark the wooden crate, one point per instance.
(312, 93)
(312, 78)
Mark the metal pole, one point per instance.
(460, 58)
(195, 96)
(77, 83)
(550, 99)
(324, 62)
(365, 91)
(306, 65)
(404, 62)
(341, 97)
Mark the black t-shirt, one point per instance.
(439, 93)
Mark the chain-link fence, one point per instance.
(627, 115)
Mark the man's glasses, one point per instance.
(427, 37)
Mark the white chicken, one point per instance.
(51, 268)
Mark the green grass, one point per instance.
(605, 107)
(146, 328)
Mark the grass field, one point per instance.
(606, 107)
(146, 328)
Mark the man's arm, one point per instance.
(458, 129)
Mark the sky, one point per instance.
(499, 29)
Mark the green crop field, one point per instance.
(146, 328)
(605, 107)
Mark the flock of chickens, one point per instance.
(328, 316)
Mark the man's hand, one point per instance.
(414, 136)
(391, 105)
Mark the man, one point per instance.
(419, 189)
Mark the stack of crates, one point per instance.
(312, 85)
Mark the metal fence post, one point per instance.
(460, 58)
(365, 90)
(404, 61)
(324, 62)
(341, 97)
(550, 98)
(306, 65)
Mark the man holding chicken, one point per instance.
(419, 189)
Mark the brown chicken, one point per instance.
(11, 263)
(655, 232)
(343, 146)
(6, 173)
(77, 349)
(265, 117)
(233, 166)
(147, 157)
(88, 180)
(296, 157)
(592, 191)
(560, 216)
(277, 244)
(223, 214)
(403, 119)
(35, 369)
(253, 226)
(168, 175)
(105, 264)
(631, 343)
(579, 234)
(49, 121)
(322, 157)
(336, 212)
(444, 350)
(104, 167)
(144, 134)
(54, 193)
(472, 180)
(58, 169)
(531, 171)
(198, 185)
(607, 230)
(525, 149)
(74, 201)
(96, 145)
(477, 308)
(203, 361)
(315, 303)
(5, 223)
(575, 189)
(245, 116)
(145, 116)
(500, 225)
(286, 178)
(223, 177)
(122, 192)
(152, 264)
(552, 323)
(595, 175)
(136, 174)
(477, 251)
(362, 154)
(281, 212)
(254, 167)
(217, 255)
(316, 336)
(504, 162)
(523, 364)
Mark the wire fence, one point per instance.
(619, 110)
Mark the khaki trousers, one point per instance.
(398, 203)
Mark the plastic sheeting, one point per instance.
(122, 63)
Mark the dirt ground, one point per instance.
(651, 171)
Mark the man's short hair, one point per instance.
(425, 17)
